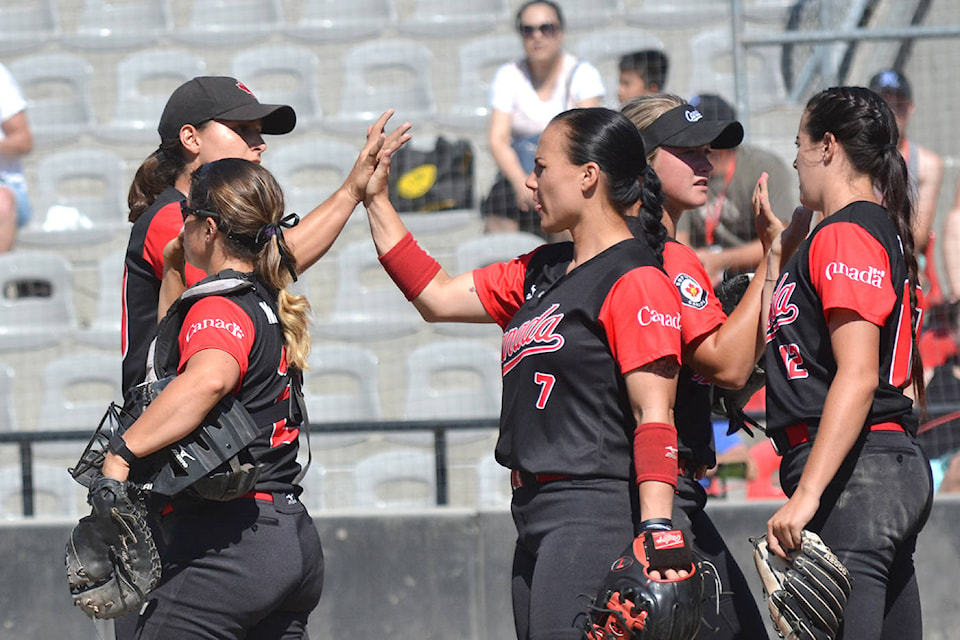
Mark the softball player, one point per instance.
(590, 350)
(716, 349)
(251, 567)
(841, 350)
(206, 119)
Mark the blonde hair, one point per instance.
(644, 110)
(250, 205)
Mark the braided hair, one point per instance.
(866, 128)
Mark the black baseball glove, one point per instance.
(632, 605)
(111, 558)
(807, 595)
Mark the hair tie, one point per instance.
(272, 229)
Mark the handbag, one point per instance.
(435, 179)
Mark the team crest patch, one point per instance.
(691, 293)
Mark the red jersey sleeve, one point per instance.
(641, 316)
(217, 323)
(700, 310)
(850, 269)
(500, 287)
(164, 227)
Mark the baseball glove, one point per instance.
(631, 605)
(111, 558)
(807, 595)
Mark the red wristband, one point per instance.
(409, 266)
(655, 452)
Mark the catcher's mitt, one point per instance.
(807, 595)
(632, 605)
(111, 558)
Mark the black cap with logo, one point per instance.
(221, 98)
(685, 126)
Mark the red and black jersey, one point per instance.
(852, 260)
(700, 314)
(568, 340)
(246, 326)
(143, 269)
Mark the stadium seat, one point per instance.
(385, 74)
(590, 15)
(338, 21)
(455, 18)
(56, 87)
(603, 50)
(104, 329)
(55, 493)
(78, 197)
(8, 420)
(395, 479)
(310, 170)
(656, 15)
(493, 483)
(26, 26)
(282, 74)
(145, 80)
(120, 25)
(711, 54)
(43, 318)
(477, 61)
(230, 22)
(341, 385)
(367, 305)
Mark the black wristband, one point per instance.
(656, 524)
(118, 446)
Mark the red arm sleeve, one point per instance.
(641, 316)
(500, 287)
(217, 323)
(164, 227)
(850, 269)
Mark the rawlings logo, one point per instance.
(215, 323)
(667, 539)
(647, 316)
(782, 311)
(532, 337)
(871, 276)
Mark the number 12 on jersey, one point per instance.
(546, 382)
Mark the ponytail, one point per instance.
(157, 172)
(651, 211)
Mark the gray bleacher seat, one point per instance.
(78, 198)
(57, 90)
(41, 320)
(580, 16)
(128, 24)
(51, 483)
(687, 14)
(104, 329)
(455, 18)
(230, 22)
(603, 49)
(282, 74)
(339, 21)
(477, 61)
(145, 79)
(8, 420)
(395, 479)
(384, 74)
(341, 385)
(26, 26)
(310, 169)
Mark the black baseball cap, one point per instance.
(891, 81)
(686, 126)
(221, 98)
(714, 107)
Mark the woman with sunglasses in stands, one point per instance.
(590, 352)
(716, 349)
(206, 119)
(524, 96)
(252, 566)
(841, 352)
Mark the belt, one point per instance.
(520, 478)
(797, 434)
(251, 495)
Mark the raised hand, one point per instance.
(378, 143)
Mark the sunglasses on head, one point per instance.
(200, 213)
(548, 29)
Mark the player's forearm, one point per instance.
(386, 226)
(318, 230)
(656, 500)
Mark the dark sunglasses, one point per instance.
(200, 213)
(548, 29)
